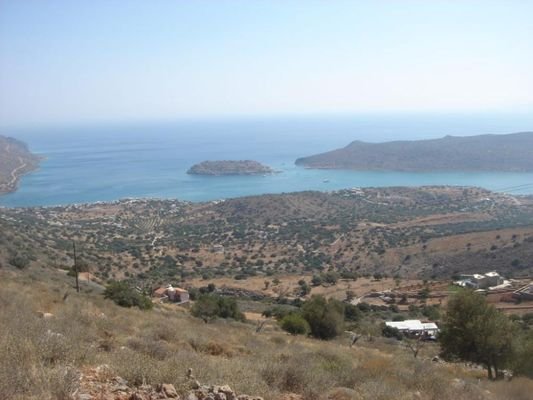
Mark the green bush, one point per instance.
(390, 332)
(210, 306)
(123, 295)
(475, 331)
(325, 318)
(295, 324)
(19, 261)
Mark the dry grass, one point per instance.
(41, 358)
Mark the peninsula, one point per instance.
(225, 167)
(15, 161)
(506, 153)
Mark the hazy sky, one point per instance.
(77, 60)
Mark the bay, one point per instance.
(149, 160)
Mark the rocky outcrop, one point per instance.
(99, 384)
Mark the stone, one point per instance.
(230, 394)
(169, 391)
(196, 385)
(220, 396)
(202, 393)
(139, 396)
(120, 381)
(191, 396)
(84, 396)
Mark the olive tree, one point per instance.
(475, 331)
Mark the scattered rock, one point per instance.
(45, 315)
(100, 384)
(169, 390)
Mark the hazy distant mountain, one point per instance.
(512, 152)
(15, 160)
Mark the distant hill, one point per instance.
(225, 167)
(15, 161)
(511, 152)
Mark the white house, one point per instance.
(415, 327)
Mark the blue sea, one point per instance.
(149, 160)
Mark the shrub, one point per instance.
(125, 296)
(351, 312)
(325, 318)
(210, 306)
(390, 332)
(19, 261)
(295, 324)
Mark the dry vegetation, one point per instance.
(43, 357)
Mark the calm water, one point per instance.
(107, 163)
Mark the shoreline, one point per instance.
(13, 185)
(224, 199)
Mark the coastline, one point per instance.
(13, 185)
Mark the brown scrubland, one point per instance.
(44, 357)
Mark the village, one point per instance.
(513, 297)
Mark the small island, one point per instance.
(227, 167)
(15, 161)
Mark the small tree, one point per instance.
(295, 324)
(125, 296)
(475, 331)
(325, 317)
(211, 306)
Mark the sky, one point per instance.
(84, 61)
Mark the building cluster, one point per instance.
(481, 281)
(171, 294)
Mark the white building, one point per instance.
(478, 281)
(415, 327)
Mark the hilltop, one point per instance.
(511, 152)
(15, 161)
(226, 167)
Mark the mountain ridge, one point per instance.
(489, 152)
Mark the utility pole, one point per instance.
(76, 267)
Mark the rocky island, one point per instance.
(226, 167)
(15, 161)
(506, 153)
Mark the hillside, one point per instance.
(427, 232)
(225, 167)
(59, 344)
(256, 251)
(512, 152)
(15, 161)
